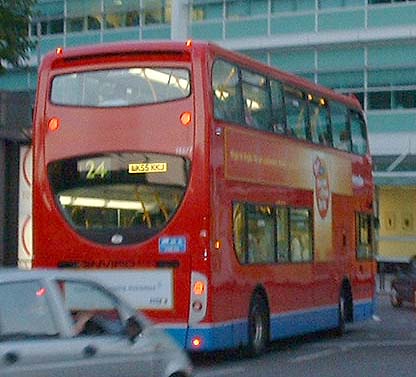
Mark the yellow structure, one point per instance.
(397, 215)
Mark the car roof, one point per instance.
(16, 274)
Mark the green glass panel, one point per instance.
(237, 8)
(389, 77)
(293, 24)
(207, 31)
(328, 4)
(294, 60)
(387, 56)
(115, 36)
(260, 56)
(121, 6)
(391, 16)
(156, 33)
(249, 28)
(50, 44)
(14, 81)
(283, 6)
(83, 8)
(341, 20)
(50, 9)
(385, 121)
(210, 11)
(341, 59)
(342, 79)
(85, 39)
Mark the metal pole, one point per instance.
(180, 19)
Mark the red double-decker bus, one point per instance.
(230, 201)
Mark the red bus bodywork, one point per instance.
(229, 164)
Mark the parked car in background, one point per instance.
(403, 285)
(56, 323)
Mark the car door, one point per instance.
(102, 348)
(32, 339)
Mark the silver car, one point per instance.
(56, 323)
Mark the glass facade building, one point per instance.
(364, 47)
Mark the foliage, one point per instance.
(15, 43)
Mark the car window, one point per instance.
(25, 311)
(94, 310)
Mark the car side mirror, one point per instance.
(133, 328)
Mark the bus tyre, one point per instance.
(395, 299)
(258, 327)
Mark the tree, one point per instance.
(15, 43)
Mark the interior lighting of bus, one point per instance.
(221, 94)
(54, 124)
(252, 105)
(199, 288)
(186, 118)
(100, 203)
(160, 77)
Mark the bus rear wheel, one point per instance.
(258, 327)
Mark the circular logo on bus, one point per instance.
(322, 193)
(117, 239)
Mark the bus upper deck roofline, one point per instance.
(180, 47)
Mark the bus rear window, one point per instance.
(120, 87)
(119, 198)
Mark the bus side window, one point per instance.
(282, 234)
(256, 100)
(358, 133)
(319, 122)
(278, 107)
(341, 135)
(300, 227)
(297, 113)
(226, 92)
(260, 234)
(239, 231)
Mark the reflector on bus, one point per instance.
(186, 118)
(54, 124)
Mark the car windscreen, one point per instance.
(120, 87)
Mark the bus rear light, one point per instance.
(186, 118)
(188, 43)
(54, 124)
(59, 51)
(198, 300)
(199, 288)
